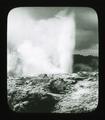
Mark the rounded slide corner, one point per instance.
(94, 10)
(11, 11)
(10, 108)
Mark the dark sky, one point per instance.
(86, 25)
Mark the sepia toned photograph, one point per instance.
(52, 60)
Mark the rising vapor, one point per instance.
(40, 46)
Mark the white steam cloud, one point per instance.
(40, 46)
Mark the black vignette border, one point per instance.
(5, 7)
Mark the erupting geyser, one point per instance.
(40, 45)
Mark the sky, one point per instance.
(33, 33)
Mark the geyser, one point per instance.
(40, 46)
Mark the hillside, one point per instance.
(85, 63)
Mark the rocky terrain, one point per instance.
(54, 93)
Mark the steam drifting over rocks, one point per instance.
(41, 42)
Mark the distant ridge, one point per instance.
(89, 61)
(85, 55)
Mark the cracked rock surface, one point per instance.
(54, 93)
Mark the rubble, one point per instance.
(57, 93)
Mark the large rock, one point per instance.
(54, 93)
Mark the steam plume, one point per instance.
(40, 46)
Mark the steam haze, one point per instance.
(44, 45)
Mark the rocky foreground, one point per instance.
(60, 93)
